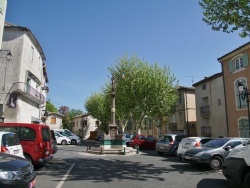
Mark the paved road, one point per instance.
(73, 168)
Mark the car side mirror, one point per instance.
(227, 148)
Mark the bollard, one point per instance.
(87, 150)
(89, 147)
(101, 151)
(124, 150)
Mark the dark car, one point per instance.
(168, 143)
(53, 142)
(16, 172)
(142, 142)
(213, 152)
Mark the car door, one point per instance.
(232, 144)
(151, 141)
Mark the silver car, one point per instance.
(191, 142)
(168, 143)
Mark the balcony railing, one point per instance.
(28, 91)
(205, 110)
(206, 130)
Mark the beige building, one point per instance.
(23, 80)
(54, 120)
(183, 120)
(210, 105)
(235, 70)
(85, 126)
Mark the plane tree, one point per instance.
(227, 15)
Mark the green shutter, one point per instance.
(230, 66)
(245, 59)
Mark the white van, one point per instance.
(10, 144)
(236, 166)
(65, 132)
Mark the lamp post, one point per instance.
(8, 57)
(244, 93)
(113, 126)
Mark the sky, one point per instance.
(82, 38)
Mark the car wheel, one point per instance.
(247, 180)
(216, 163)
(174, 153)
(159, 153)
(136, 146)
(73, 142)
(64, 142)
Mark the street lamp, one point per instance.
(84, 122)
(7, 54)
(244, 93)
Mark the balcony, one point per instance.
(205, 110)
(27, 91)
(206, 130)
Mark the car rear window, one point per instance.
(166, 138)
(10, 139)
(26, 133)
(45, 134)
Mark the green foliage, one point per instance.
(142, 90)
(227, 15)
(50, 107)
(68, 115)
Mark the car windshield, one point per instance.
(216, 143)
(166, 138)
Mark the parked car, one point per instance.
(213, 152)
(10, 144)
(142, 142)
(191, 142)
(236, 167)
(16, 172)
(168, 143)
(35, 140)
(65, 132)
(127, 138)
(60, 139)
(53, 142)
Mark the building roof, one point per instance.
(246, 45)
(206, 79)
(186, 88)
(55, 113)
(11, 26)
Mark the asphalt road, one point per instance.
(73, 168)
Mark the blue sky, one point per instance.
(82, 38)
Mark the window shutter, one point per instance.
(245, 59)
(230, 66)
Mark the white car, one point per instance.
(190, 142)
(10, 144)
(74, 138)
(60, 139)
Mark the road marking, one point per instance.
(65, 177)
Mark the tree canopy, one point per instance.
(50, 107)
(142, 90)
(68, 115)
(227, 15)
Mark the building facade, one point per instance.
(183, 120)
(235, 69)
(54, 120)
(85, 126)
(23, 80)
(210, 105)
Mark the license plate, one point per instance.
(32, 184)
(187, 157)
(16, 151)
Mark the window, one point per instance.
(45, 134)
(53, 120)
(180, 116)
(26, 133)
(73, 125)
(204, 87)
(219, 102)
(237, 63)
